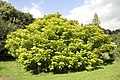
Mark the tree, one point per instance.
(12, 15)
(11, 20)
(96, 20)
(53, 43)
(116, 38)
(5, 28)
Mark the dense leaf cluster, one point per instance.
(53, 43)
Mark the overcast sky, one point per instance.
(81, 10)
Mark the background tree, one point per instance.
(5, 28)
(96, 20)
(10, 14)
(10, 20)
(116, 38)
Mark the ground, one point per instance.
(11, 70)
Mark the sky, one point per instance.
(81, 10)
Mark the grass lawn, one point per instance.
(12, 69)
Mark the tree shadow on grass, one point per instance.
(36, 72)
(119, 76)
(109, 62)
(1, 68)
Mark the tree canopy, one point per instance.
(53, 43)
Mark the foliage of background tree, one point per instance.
(116, 39)
(5, 28)
(96, 20)
(9, 13)
(55, 44)
(10, 20)
(115, 34)
(115, 31)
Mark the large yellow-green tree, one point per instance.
(53, 43)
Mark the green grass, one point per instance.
(12, 69)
